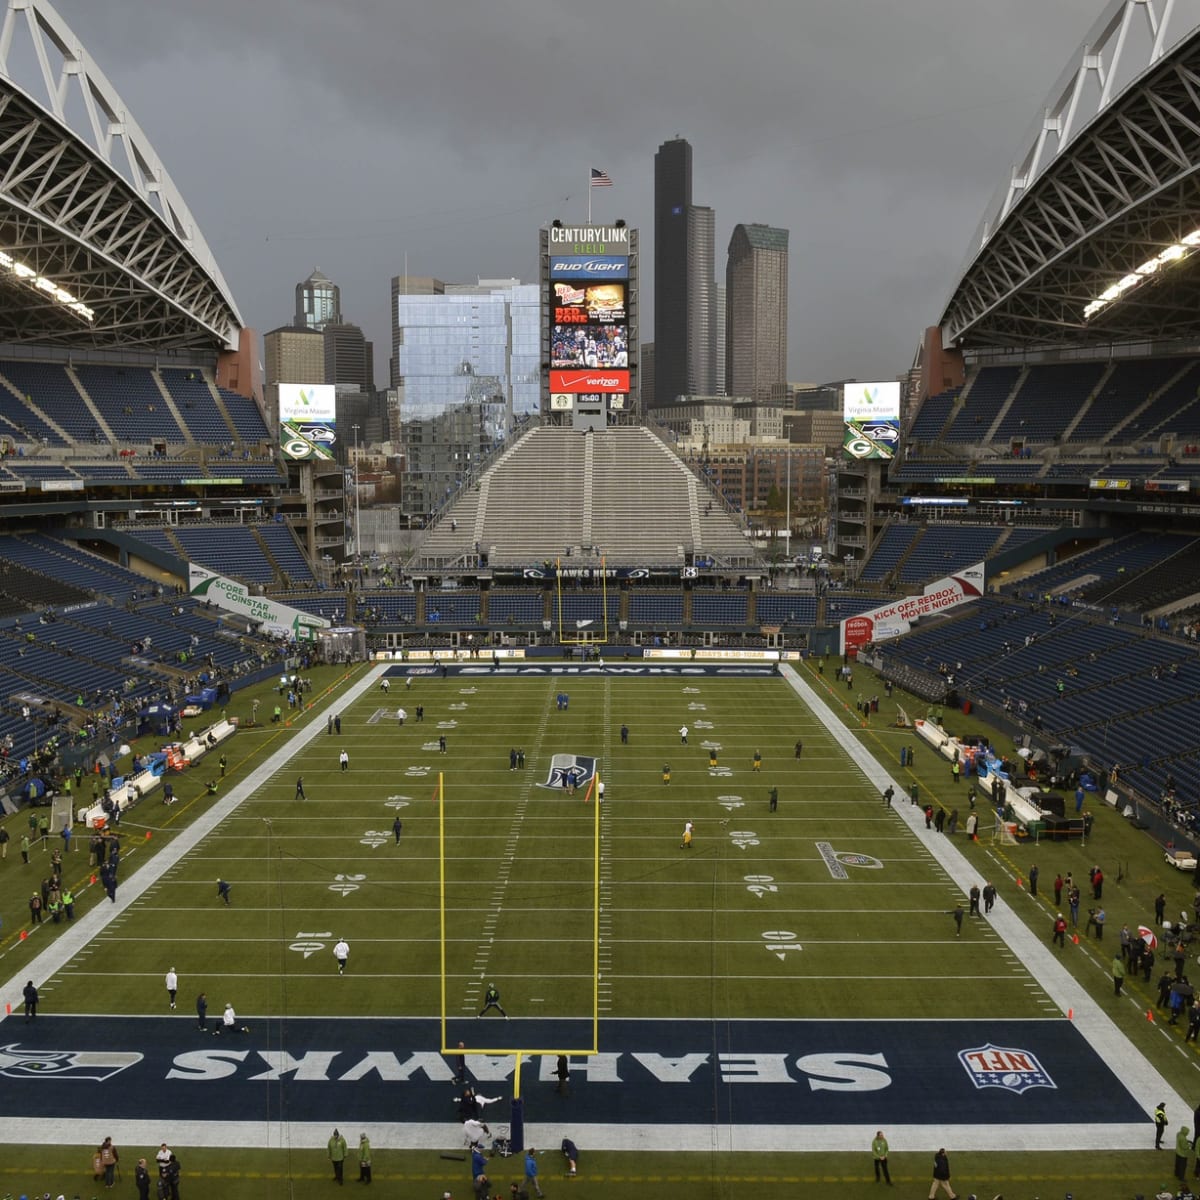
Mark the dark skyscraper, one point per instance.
(756, 305)
(683, 279)
(349, 357)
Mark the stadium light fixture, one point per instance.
(22, 271)
(1176, 252)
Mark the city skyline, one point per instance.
(352, 139)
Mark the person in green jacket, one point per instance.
(1118, 974)
(337, 1154)
(1183, 1151)
(25, 849)
(879, 1150)
(364, 1158)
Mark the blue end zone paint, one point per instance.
(633, 668)
(794, 1073)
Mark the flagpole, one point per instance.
(589, 192)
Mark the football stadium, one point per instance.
(585, 845)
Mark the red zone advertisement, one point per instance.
(594, 380)
(891, 620)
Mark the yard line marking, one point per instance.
(1143, 1081)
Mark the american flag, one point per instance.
(600, 178)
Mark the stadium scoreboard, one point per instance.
(589, 322)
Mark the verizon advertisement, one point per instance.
(891, 620)
(589, 381)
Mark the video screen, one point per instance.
(598, 303)
(589, 346)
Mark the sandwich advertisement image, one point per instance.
(589, 304)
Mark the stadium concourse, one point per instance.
(1062, 1068)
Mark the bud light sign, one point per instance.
(589, 266)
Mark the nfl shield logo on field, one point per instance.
(1004, 1067)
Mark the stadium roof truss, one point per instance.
(1109, 181)
(88, 211)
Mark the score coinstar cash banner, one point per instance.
(269, 615)
(891, 620)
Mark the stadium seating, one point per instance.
(72, 564)
(984, 397)
(893, 545)
(1172, 410)
(790, 608)
(393, 607)
(131, 403)
(283, 548)
(34, 653)
(248, 471)
(1047, 401)
(710, 609)
(1129, 385)
(1020, 535)
(194, 400)
(523, 608)
(159, 538)
(32, 471)
(457, 610)
(933, 415)
(102, 473)
(228, 550)
(324, 602)
(51, 391)
(246, 418)
(73, 574)
(942, 549)
(558, 494)
(34, 591)
(1125, 555)
(992, 469)
(659, 609)
(165, 470)
(586, 606)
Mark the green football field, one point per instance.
(759, 993)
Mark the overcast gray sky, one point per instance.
(348, 135)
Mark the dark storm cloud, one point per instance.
(347, 136)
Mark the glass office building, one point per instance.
(469, 344)
(466, 366)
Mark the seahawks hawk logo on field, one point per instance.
(584, 769)
(98, 1065)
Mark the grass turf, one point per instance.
(683, 930)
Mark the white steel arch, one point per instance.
(1109, 58)
(1108, 175)
(90, 201)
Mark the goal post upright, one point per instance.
(522, 1055)
(442, 895)
(596, 917)
(563, 639)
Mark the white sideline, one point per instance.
(78, 934)
(1141, 1079)
(1143, 1082)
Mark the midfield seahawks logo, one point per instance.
(98, 1065)
(1004, 1067)
(582, 767)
